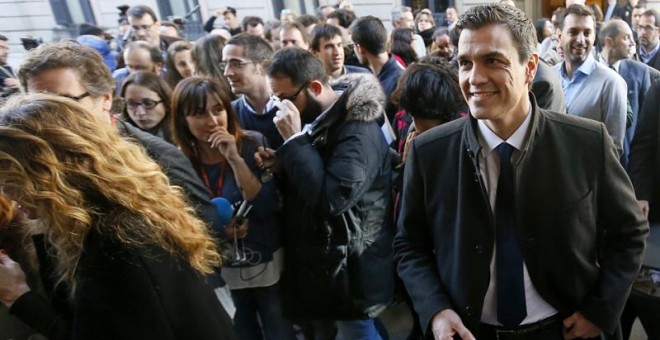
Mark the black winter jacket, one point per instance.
(339, 233)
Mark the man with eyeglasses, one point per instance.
(144, 25)
(648, 33)
(245, 58)
(336, 168)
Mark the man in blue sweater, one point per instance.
(245, 58)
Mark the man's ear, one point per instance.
(316, 87)
(609, 42)
(532, 67)
(158, 67)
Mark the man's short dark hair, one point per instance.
(3, 38)
(429, 89)
(343, 16)
(231, 10)
(577, 9)
(140, 10)
(440, 31)
(370, 33)
(255, 48)
(653, 14)
(298, 26)
(94, 75)
(154, 52)
(251, 21)
(298, 65)
(521, 27)
(173, 25)
(307, 20)
(323, 31)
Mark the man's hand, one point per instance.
(12, 280)
(577, 326)
(265, 159)
(12, 82)
(446, 323)
(645, 207)
(287, 119)
(240, 230)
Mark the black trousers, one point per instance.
(647, 309)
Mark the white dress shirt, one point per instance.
(489, 163)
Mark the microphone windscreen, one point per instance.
(224, 208)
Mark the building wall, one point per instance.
(19, 18)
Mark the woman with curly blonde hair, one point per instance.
(127, 247)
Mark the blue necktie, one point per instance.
(511, 307)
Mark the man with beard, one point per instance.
(591, 90)
(649, 42)
(370, 38)
(336, 166)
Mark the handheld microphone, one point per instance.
(224, 209)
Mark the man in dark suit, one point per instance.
(547, 88)
(616, 39)
(644, 169)
(515, 221)
(649, 38)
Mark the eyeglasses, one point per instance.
(141, 27)
(234, 64)
(76, 98)
(146, 104)
(291, 98)
(648, 29)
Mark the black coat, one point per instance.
(125, 292)
(581, 228)
(644, 163)
(547, 89)
(338, 239)
(178, 169)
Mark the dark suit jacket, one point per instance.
(644, 166)
(581, 229)
(638, 78)
(654, 62)
(547, 89)
(178, 169)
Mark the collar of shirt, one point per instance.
(489, 140)
(616, 64)
(647, 56)
(269, 105)
(588, 66)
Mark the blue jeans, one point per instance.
(358, 329)
(260, 304)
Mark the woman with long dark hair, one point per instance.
(206, 129)
(402, 45)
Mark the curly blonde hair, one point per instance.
(70, 167)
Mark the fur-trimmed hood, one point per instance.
(363, 96)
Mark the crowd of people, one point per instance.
(296, 178)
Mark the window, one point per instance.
(72, 12)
